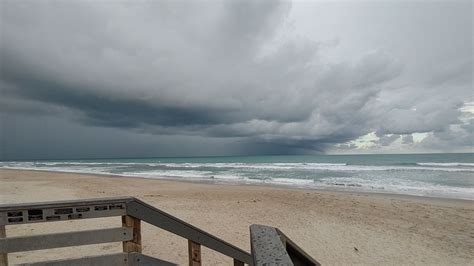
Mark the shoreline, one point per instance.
(327, 225)
(260, 184)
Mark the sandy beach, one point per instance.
(335, 228)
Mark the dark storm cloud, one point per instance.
(105, 111)
(221, 69)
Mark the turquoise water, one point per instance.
(438, 175)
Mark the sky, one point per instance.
(101, 79)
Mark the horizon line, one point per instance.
(211, 156)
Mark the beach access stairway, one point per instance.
(269, 246)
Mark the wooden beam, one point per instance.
(62, 210)
(238, 262)
(266, 246)
(64, 203)
(3, 256)
(117, 259)
(67, 239)
(134, 245)
(194, 251)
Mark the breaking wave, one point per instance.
(444, 179)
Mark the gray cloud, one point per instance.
(386, 140)
(407, 139)
(461, 138)
(220, 69)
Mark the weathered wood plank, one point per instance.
(267, 248)
(116, 259)
(3, 256)
(119, 259)
(36, 242)
(64, 203)
(135, 244)
(238, 263)
(194, 252)
(61, 211)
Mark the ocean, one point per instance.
(434, 175)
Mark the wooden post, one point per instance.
(3, 257)
(238, 263)
(194, 251)
(134, 245)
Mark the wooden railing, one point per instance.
(132, 211)
(271, 247)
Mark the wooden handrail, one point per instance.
(133, 211)
(267, 248)
(62, 210)
(271, 247)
